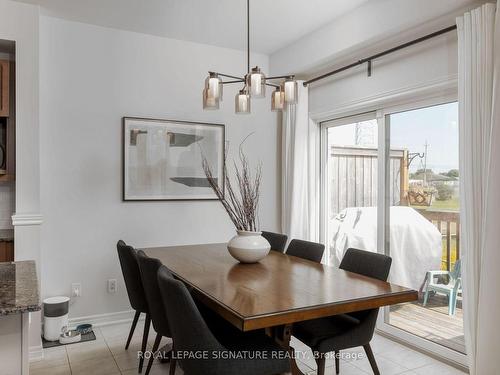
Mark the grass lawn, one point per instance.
(449, 205)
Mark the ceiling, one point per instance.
(274, 23)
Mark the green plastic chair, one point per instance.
(451, 288)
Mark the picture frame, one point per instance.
(162, 159)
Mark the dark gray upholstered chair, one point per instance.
(276, 240)
(135, 291)
(149, 271)
(307, 250)
(191, 334)
(339, 332)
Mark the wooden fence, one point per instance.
(353, 177)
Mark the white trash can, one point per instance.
(55, 317)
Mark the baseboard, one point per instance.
(35, 353)
(100, 320)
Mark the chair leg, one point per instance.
(147, 324)
(153, 351)
(426, 296)
(451, 304)
(132, 329)
(371, 359)
(455, 298)
(172, 366)
(320, 362)
(337, 362)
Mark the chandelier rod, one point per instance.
(272, 84)
(235, 81)
(226, 75)
(290, 76)
(242, 80)
(248, 36)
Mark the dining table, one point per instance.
(276, 292)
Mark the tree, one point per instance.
(452, 173)
(419, 174)
(444, 192)
(421, 171)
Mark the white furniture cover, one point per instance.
(415, 243)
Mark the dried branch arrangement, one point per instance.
(240, 202)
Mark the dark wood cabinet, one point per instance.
(7, 121)
(6, 251)
(4, 88)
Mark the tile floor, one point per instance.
(107, 356)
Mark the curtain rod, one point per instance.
(369, 59)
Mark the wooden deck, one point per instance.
(431, 322)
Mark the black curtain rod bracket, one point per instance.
(380, 54)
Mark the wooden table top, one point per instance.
(280, 289)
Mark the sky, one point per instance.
(437, 126)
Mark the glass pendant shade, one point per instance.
(242, 102)
(291, 91)
(256, 81)
(277, 100)
(214, 86)
(209, 102)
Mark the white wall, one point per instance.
(91, 77)
(370, 28)
(7, 204)
(19, 23)
(430, 67)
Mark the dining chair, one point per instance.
(135, 290)
(307, 250)
(276, 240)
(191, 334)
(344, 331)
(149, 270)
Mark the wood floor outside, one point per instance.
(431, 322)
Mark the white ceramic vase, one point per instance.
(248, 247)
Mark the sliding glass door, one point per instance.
(423, 223)
(390, 185)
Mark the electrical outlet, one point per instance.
(76, 290)
(112, 286)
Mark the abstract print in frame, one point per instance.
(162, 159)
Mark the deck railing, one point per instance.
(447, 222)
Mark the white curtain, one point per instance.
(300, 165)
(479, 118)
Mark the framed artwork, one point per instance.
(162, 159)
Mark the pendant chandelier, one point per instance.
(254, 86)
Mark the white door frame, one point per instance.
(383, 117)
(406, 101)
